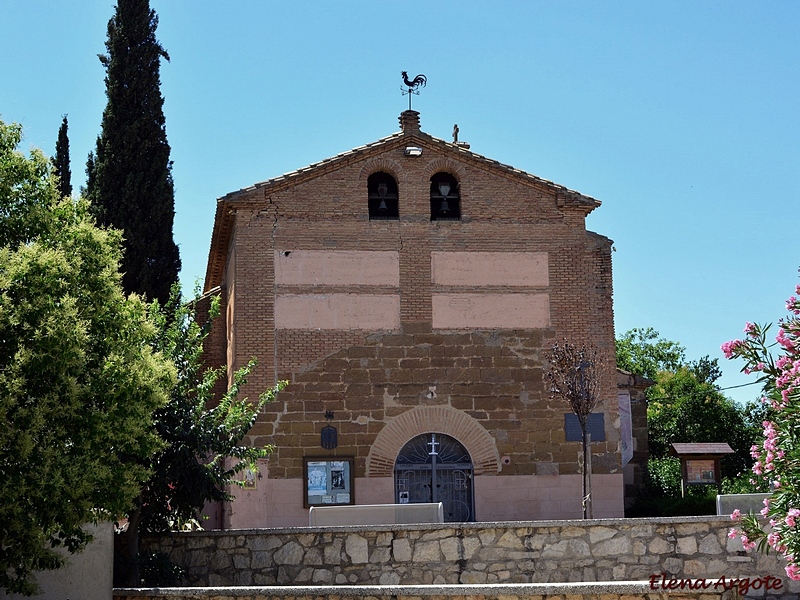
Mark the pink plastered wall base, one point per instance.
(279, 502)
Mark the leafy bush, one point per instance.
(157, 570)
(664, 476)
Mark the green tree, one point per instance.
(130, 173)
(641, 351)
(61, 160)
(202, 451)
(79, 379)
(685, 404)
(684, 408)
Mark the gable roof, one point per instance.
(409, 135)
(701, 448)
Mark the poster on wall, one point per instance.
(625, 426)
(327, 481)
(700, 471)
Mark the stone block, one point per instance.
(471, 545)
(557, 550)
(511, 540)
(437, 534)
(660, 546)
(243, 578)
(690, 528)
(321, 576)
(332, 554)
(710, 545)
(313, 556)
(357, 548)
(598, 534)
(241, 561)
(687, 545)
(472, 577)
(401, 550)
(218, 580)
(390, 578)
(290, 554)
(261, 559)
(264, 579)
(425, 552)
(673, 565)
(450, 549)
(220, 561)
(380, 556)
(613, 547)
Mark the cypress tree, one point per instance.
(130, 172)
(61, 160)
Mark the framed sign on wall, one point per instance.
(327, 481)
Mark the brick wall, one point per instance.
(368, 377)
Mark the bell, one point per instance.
(382, 205)
(445, 207)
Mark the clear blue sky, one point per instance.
(683, 118)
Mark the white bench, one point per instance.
(376, 514)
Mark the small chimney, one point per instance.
(409, 121)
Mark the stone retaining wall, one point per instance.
(471, 553)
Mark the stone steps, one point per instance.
(621, 590)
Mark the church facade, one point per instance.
(410, 290)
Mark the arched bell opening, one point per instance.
(382, 197)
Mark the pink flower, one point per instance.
(735, 516)
(732, 534)
(728, 348)
(793, 572)
(784, 341)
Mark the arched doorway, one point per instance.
(434, 467)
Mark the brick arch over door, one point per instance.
(437, 419)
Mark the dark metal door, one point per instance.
(435, 467)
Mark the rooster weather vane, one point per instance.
(413, 85)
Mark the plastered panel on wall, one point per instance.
(337, 311)
(519, 269)
(488, 311)
(321, 267)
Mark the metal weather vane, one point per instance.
(413, 85)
